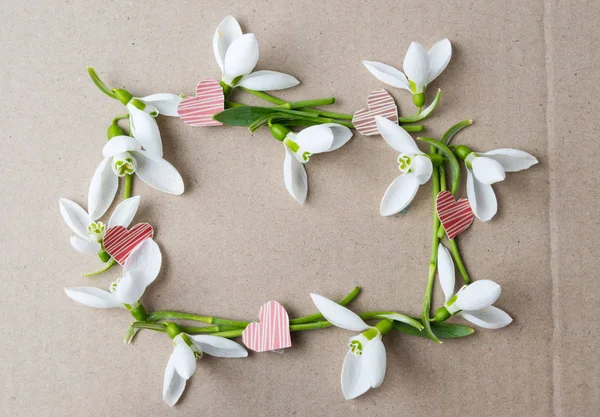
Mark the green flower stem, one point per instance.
(168, 315)
(232, 104)
(317, 316)
(159, 327)
(206, 329)
(308, 103)
(426, 310)
(100, 84)
(120, 117)
(127, 187)
(422, 115)
(413, 128)
(275, 100)
(458, 261)
(108, 265)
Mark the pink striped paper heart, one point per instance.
(273, 331)
(199, 110)
(380, 103)
(456, 216)
(119, 242)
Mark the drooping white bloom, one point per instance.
(487, 168)
(237, 55)
(300, 146)
(415, 166)
(140, 270)
(420, 67)
(124, 155)
(365, 363)
(474, 301)
(182, 363)
(86, 226)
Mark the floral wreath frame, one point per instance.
(140, 153)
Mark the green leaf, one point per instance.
(441, 330)
(247, 115)
(425, 113)
(454, 166)
(450, 133)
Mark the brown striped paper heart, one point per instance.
(380, 103)
(119, 242)
(199, 110)
(273, 331)
(456, 216)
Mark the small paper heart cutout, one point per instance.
(199, 110)
(119, 242)
(272, 332)
(380, 103)
(456, 216)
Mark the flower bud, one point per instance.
(419, 99)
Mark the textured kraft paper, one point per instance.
(526, 72)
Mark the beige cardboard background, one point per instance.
(526, 72)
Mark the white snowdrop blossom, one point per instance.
(421, 67)
(415, 167)
(300, 146)
(87, 227)
(237, 55)
(182, 362)
(142, 113)
(487, 168)
(473, 302)
(123, 155)
(140, 270)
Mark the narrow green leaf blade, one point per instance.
(441, 330)
(454, 166)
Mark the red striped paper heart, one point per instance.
(380, 103)
(119, 242)
(456, 216)
(273, 331)
(199, 110)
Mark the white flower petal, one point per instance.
(268, 81)
(512, 160)
(103, 188)
(145, 261)
(219, 346)
(185, 361)
(478, 295)
(158, 173)
(339, 315)
(487, 170)
(446, 271)
(294, 176)
(119, 145)
(416, 66)
(130, 288)
(422, 168)
(124, 212)
(241, 56)
(355, 378)
(315, 139)
(341, 135)
(165, 103)
(399, 194)
(374, 361)
(439, 58)
(145, 130)
(228, 30)
(84, 246)
(75, 217)
(173, 384)
(93, 297)
(387, 74)
(489, 318)
(481, 198)
(396, 137)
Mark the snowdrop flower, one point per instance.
(487, 168)
(188, 348)
(420, 69)
(123, 155)
(473, 302)
(365, 362)
(140, 270)
(142, 112)
(86, 226)
(237, 55)
(300, 146)
(415, 166)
